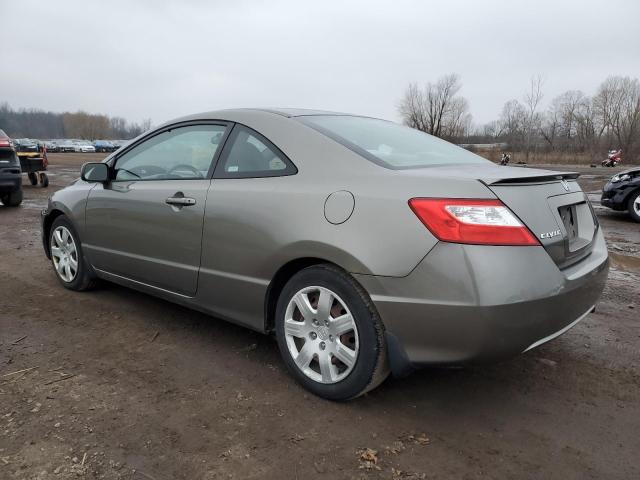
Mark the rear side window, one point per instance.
(389, 144)
(248, 154)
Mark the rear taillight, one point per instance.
(4, 143)
(461, 220)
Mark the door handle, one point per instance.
(181, 201)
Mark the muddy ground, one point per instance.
(115, 384)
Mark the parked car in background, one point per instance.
(622, 192)
(104, 146)
(26, 145)
(51, 146)
(67, 146)
(84, 147)
(119, 144)
(10, 173)
(363, 245)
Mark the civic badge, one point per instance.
(552, 234)
(565, 184)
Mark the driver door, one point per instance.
(146, 224)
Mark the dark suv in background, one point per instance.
(10, 173)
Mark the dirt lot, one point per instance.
(116, 384)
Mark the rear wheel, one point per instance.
(33, 178)
(44, 180)
(330, 335)
(68, 261)
(12, 199)
(633, 205)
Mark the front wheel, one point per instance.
(633, 205)
(68, 261)
(330, 335)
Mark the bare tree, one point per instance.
(566, 106)
(145, 124)
(492, 130)
(617, 104)
(550, 127)
(532, 99)
(412, 108)
(512, 123)
(588, 127)
(572, 122)
(437, 109)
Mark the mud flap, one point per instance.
(398, 360)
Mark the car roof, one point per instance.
(236, 114)
(298, 112)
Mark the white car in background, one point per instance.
(66, 146)
(85, 148)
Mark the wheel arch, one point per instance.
(299, 255)
(47, 222)
(631, 193)
(627, 203)
(280, 279)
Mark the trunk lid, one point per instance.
(551, 204)
(554, 207)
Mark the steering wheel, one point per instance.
(184, 166)
(143, 171)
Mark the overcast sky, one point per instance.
(159, 60)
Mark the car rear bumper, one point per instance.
(474, 303)
(10, 179)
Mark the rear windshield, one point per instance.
(389, 144)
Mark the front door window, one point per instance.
(183, 153)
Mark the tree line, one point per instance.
(35, 123)
(572, 122)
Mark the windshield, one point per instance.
(389, 144)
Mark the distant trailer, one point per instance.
(34, 165)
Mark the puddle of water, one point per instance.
(33, 204)
(594, 197)
(592, 177)
(625, 263)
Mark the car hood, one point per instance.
(629, 170)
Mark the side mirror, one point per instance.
(95, 172)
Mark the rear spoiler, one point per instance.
(556, 177)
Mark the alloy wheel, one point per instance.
(64, 254)
(321, 335)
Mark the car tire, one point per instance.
(33, 178)
(44, 180)
(351, 331)
(78, 274)
(633, 205)
(12, 199)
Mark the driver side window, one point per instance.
(182, 153)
